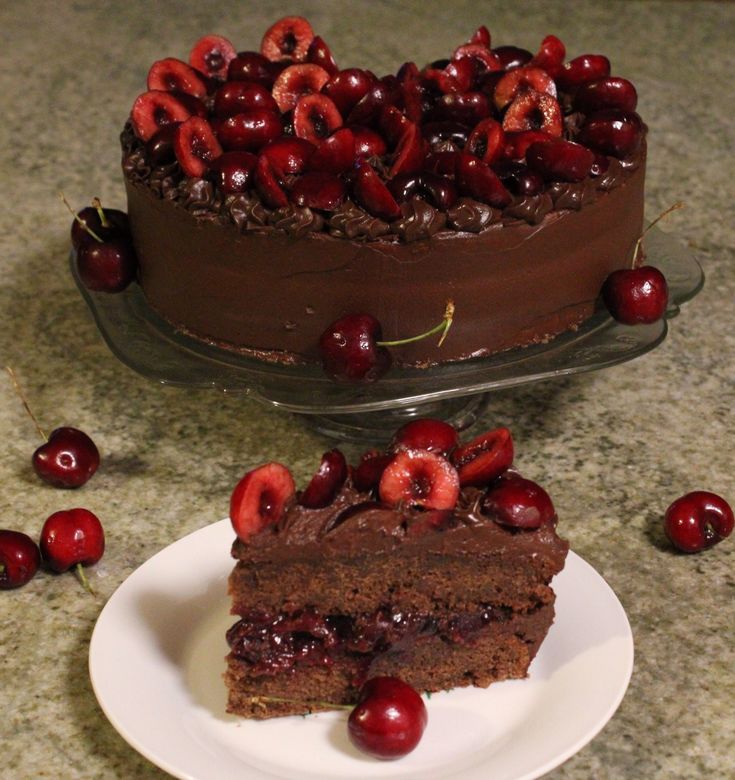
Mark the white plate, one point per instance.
(156, 660)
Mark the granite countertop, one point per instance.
(614, 448)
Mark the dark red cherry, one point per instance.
(234, 97)
(249, 131)
(19, 559)
(260, 498)
(252, 66)
(287, 39)
(426, 434)
(697, 521)
(319, 190)
(476, 179)
(72, 537)
(335, 154)
(519, 503)
(232, 172)
(320, 54)
(68, 459)
(212, 55)
(172, 75)
(159, 149)
(366, 475)
(487, 141)
(467, 108)
(388, 720)
(550, 55)
(409, 154)
(437, 132)
(289, 155)
(612, 131)
(116, 225)
(108, 266)
(154, 109)
(327, 482)
(437, 190)
(315, 117)
(372, 193)
(636, 296)
(269, 184)
(581, 70)
(196, 146)
(485, 458)
(610, 92)
(349, 351)
(512, 57)
(368, 142)
(347, 88)
(518, 179)
(559, 160)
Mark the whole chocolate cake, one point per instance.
(430, 562)
(271, 193)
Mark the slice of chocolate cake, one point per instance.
(392, 568)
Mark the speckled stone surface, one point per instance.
(614, 448)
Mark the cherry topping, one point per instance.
(268, 184)
(252, 66)
(287, 39)
(610, 92)
(335, 154)
(581, 70)
(327, 481)
(152, 110)
(115, 225)
(560, 160)
(550, 55)
(519, 503)
(487, 141)
(72, 537)
(612, 131)
(436, 133)
(19, 559)
(388, 720)
(482, 36)
(532, 110)
(409, 154)
(212, 55)
(372, 193)
(437, 190)
(68, 459)
(476, 179)
(485, 458)
(232, 171)
(234, 97)
(196, 146)
(456, 76)
(697, 521)
(249, 131)
(520, 80)
(483, 59)
(420, 478)
(516, 144)
(426, 434)
(319, 190)
(296, 81)
(259, 499)
(319, 54)
(636, 296)
(347, 88)
(289, 156)
(369, 143)
(159, 148)
(512, 57)
(468, 108)
(315, 117)
(518, 179)
(108, 266)
(366, 475)
(349, 351)
(172, 75)
(367, 111)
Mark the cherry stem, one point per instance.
(442, 327)
(83, 578)
(22, 397)
(263, 700)
(76, 216)
(97, 203)
(639, 243)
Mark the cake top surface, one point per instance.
(283, 138)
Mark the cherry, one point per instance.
(367, 111)
(366, 475)
(107, 266)
(518, 179)
(550, 56)
(468, 108)
(212, 55)
(350, 352)
(484, 60)
(68, 459)
(234, 97)
(19, 559)
(612, 131)
(296, 81)
(154, 109)
(532, 110)
(252, 66)
(287, 39)
(560, 160)
(196, 146)
(437, 132)
(521, 80)
(388, 719)
(487, 141)
(432, 187)
(319, 190)
(456, 76)
(482, 36)
(249, 131)
(581, 70)
(320, 54)
(315, 117)
(369, 143)
(259, 499)
(485, 458)
(335, 154)
(516, 144)
(232, 172)
(512, 57)
(476, 179)
(289, 155)
(426, 434)
(636, 296)
(159, 148)
(327, 481)
(610, 92)
(697, 521)
(268, 184)
(409, 154)
(372, 193)
(419, 478)
(347, 88)
(172, 75)
(72, 537)
(519, 503)
(105, 224)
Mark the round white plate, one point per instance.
(156, 660)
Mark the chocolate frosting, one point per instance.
(531, 208)
(246, 211)
(296, 220)
(350, 221)
(471, 216)
(419, 220)
(572, 195)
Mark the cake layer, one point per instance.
(272, 294)
(501, 650)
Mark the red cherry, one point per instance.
(581, 70)
(296, 81)
(268, 184)
(487, 141)
(388, 719)
(327, 482)
(68, 459)
(212, 55)
(287, 39)
(252, 66)
(426, 434)
(532, 110)
(612, 131)
(19, 559)
(347, 88)
(72, 537)
(159, 148)
(315, 117)
(485, 458)
(519, 503)
(196, 146)
(369, 143)
(232, 171)
(107, 266)
(521, 80)
(259, 499)
(366, 476)
(512, 57)
(116, 225)
(335, 154)
(349, 351)
(420, 478)
(478, 180)
(550, 55)
(560, 160)
(371, 192)
(172, 75)
(319, 190)
(610, 92)
(152, 110)
(367, 111)
(435, 189)
(234, 97)
(516, 144)
(481, 36)
(288, 155)
(636, 296)
(409, 154)
(698, 520)
(319, 54)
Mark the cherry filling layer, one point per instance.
(276, 643)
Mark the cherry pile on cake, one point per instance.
(430, 562)
(271, 192)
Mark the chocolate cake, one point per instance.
(402, 568)
(270, 193)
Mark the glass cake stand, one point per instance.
(454, 392)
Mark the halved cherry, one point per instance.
(319, 54)
(297, 80)
(392, 124)
(407, 72)
(512, 57)
(367, 111)
(612, 131)
(287, 39)
(519, 503)
(533, 110)
(516, 144)
(456, 76)
(487, 141)
(234, 97)
(289, 155)
(260, 498)
(419, 478)
(347, 87)
(268, 185)
(409, 155)
(481, 35)
(368, 142)
(315, 117)
(212, 55)
(335, 154)
(485, 60)
(372, 193)
(468, 108)
(428, 434)
(252, 66)
(153, 110)
(327, 481)
(485, 458)
(610, 92)
(415, 102)
(581, 70)
(319, 190)
(520, 80)
(172, 75)
(196, 146)
(550, 55)
(443, 163)
(560, 160)
(434, 188)
(366, 475)
(249, 131)
(476, 179)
